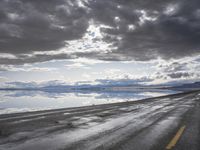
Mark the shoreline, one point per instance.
(93, 105)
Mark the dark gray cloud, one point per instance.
(178, 75)
(39, 25)
(138, 30)
(167, 29)
(174, 67)
(20, 60)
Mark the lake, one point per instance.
(23, 101)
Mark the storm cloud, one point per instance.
(146, 30)
(39, 25)
(135, 30)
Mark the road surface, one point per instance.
(168, 122)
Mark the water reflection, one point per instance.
(20, 101)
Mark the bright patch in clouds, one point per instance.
(92, 41)
(171, 9)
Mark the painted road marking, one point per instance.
(176, 138)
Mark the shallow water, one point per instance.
(22, 101)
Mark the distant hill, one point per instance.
(57, 86)
(187, 86)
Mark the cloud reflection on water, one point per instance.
(23, 100)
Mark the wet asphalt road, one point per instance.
(169, 122)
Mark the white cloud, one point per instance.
(85, 75)
(178, 70)
(83, 63)
(3, 79)
(171, 9)
(7, 55)
(25, 68)
(144, 17)
(87, 61)
(77, 66)
(131, 27)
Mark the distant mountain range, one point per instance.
(188, 86)
(56, 86)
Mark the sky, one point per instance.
(87, 41)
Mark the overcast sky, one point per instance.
(84, 40)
